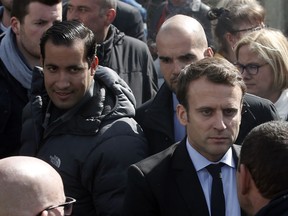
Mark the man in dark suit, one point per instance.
(177, 181)
(180, 41)
(262, 173)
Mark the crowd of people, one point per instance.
(88, 128)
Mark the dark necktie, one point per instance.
(217, 204)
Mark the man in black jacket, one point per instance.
(262, 173)
(83, 126)
(128, 56)
(181, 41)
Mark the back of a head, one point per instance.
(265, 154)
(272, 46)
(229, 15)
(27, 186)
(182, 25)
(216, 70)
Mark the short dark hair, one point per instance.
(265, 154)
(65, 33)
(20, 7)
(216, 70)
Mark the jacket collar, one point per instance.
(187, 179)
(159, 116)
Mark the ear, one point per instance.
(182, 114)
(231, 39)
(94, 66)
(208, 52)
(244, 179)
(44, 213)
(15, 25)
(110, 15)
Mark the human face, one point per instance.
(66, 73)
(260, 84)
(213, 119)
(175, 51)
(28, 33)
(89, 13)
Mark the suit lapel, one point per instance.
(188, 182)
(160, 115)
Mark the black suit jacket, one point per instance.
(156, 118)
(166, 184)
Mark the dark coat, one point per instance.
(277, 206)
(129, 20)
(131, 59)
(156, 118)
(91, 145)
(166, 184)
(13, 98)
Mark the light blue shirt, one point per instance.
(228, 172)
(179, 130)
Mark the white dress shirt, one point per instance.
(228, 172)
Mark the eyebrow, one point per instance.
(189, 55)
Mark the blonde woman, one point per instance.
(262, 59)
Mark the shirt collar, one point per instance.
(175, 101)
(201, 162)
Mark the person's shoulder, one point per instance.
(134, 42)
(254, 100)
(158, 161)
(262, 108)
(126, 8)
(143, 107)
(163, 98)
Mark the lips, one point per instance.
(63, 95)
(249, 84)
(219, 139)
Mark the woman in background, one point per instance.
(262, 59)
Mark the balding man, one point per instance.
(181, 41)
(30, 186)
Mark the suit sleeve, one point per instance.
(139, 199)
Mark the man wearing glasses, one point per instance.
(30, 186)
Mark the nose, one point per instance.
(245, 75)
(62, 81)
(177, 67)
(219, 123)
